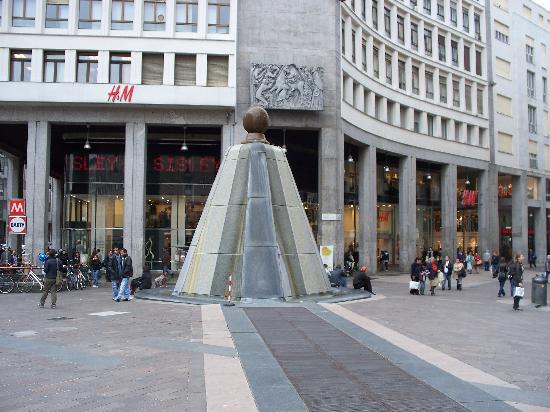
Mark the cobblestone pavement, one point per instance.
(67, 359)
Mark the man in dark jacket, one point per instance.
(338, 277)
(362, 280)
(50, 270)
(515, 269)
(127, 273)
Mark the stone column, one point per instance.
(407, 212)
(135, 160)
(367, 207)
(57, 208)
(519, 214)
(448, 209)
(540, 224)
(359, 97)
(331, 191)
(37, 187)
(487, 210)
(371, 104)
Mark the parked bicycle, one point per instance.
(29, 280)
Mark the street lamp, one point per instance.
(184, 147)
(87, 145)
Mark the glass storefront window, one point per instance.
(387, 188)
(467, 214)
(428, 209)
(504, 186)
(532, 188)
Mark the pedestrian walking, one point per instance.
(127, 273)
(532, 258)
(116, 272)
(515, 270)
(447, 269)
(51, 265)
(486, 260)
(95, 264)
(415, 275)
(469, 263)
(362, 280)
(432, 275)
(424, 273)
(384, 260)
(495, 262)
(477, 262)
(459, 273)
(502, 275)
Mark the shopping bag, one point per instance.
(519, 292)
(413, 285)
(439, 278)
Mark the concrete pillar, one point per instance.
(407, 212)
(395, 69)
(423, 123)
(407, 31)
(383, 109)
(519, 214)
(331, 191)
(367, 207)
(358, 47)
(435, 43)
(393, 23)
(410, 118)
(359, 97)
(56, 209)
(382, 62)
(228, 137)
(540, 224)
(437, 98)
(370, 60)
(37, 187)
(448, 209)
(421, 46)
(348, 89)
(408, 75)
(371, 104)
(437, 126)
(487, 210)
(422, 80)
(135, 159)
(348, 43)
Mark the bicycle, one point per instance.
(28, 281)
(6, 283)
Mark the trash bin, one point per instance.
(538, 291)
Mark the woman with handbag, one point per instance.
(459, 272)
(516, 279)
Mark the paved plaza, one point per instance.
(456, 351)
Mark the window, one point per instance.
(23, 13)
(217, 71)
(478, 62)
(456, 93)
(441, 48)
(154, 15)
(185, 71)
(480, 109)
(504, 105)
(152, 67)
(122, 15)
(364, 9)
(89, 14)
(529, 54)
(503, 68)
(454, 53)
(387, 21)
(186, 15)
(375, 62)
(86, 68)
(413, 4)
(504, 142)
(467, 58)
(547, 167)
(430, 125)
(218, 16)
(401, 71)
(20, 66)
(401, 29)
(428, 6)
(444, 127)
(415, 80)
(453, 14)
(414, 36)
(546, 123)
(477, 26)
(54, 66)
(532, 116)
(443, 89)
(343, 39)
(428, 42)
(466, 20)
(388, 69)
(530, 84)
(57, 14)
(468, 97)
(440, 10)
(429, 85)
(501, 32)
(364, 53)
(526, 12)
(374, 14)
(353, 57)
(533, 149)
(544, 89)
(120, 64)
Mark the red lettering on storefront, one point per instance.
(170, 168)
(181, 165)
(99, 163)
(383, 216)
(157, 164)
(116, 96)
(112, 161)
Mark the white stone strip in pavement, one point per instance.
(528, 408)
(108, 313)
(226, 385)
(373, 298)
(439, 359)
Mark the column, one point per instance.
(519, 214)
(56, 209)
(393, 23)
(474, 99)
(69, 75)
(382, 62)
(487, 210)
(460, 50)
(395, 115)
(462, 93)
(331, 190)
(410, 118)
(448, 209)
(228, 133)
(408, 75)
(37, 68)
(358, 47)
(421, 46)
(437, 97)
(359, 97)
(103, 66)
(370, 63)
(422, 80)
(540, 224)
(371, 104)
(135, 159)
(407, 212)
(448, 53)
(348, 89)
(367, 207)
(473, 59)
(407, 30)
(451, 135)
(435, 43)
(12, 192)
(368, 13)
(37, 187)
(395, 69)
(437, 126)
(449, 84)
(383, 109)
(347, 33)
(423, 123)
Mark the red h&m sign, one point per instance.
(118, 95)
(17, 207)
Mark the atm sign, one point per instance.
(18, 225)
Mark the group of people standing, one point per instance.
(435, 271)
(119, 270)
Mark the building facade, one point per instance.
(115, 113)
